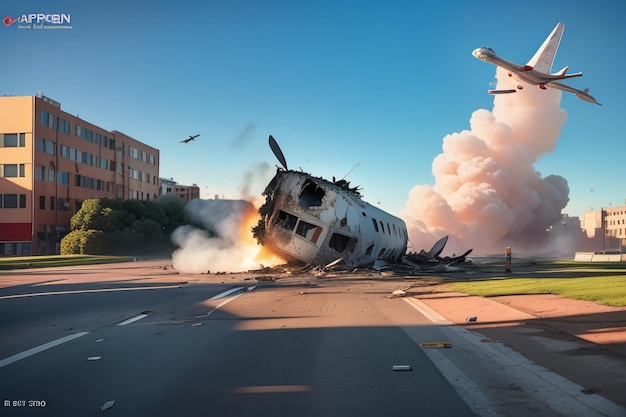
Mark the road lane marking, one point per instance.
(38, 294)
(503, 364)
(428, 312)
(270, 389)
(132, 319)
(228, 297)
(38, 349)
(226, 293)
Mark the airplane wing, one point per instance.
(544, 57)
(581, 94)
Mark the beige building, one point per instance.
(51, 161)
(609, 224)
(186, 192)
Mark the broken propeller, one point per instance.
(277, 152)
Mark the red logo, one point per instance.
(8, 21)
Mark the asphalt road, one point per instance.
(140, 341)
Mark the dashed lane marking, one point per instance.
(38, 349)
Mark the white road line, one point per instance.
(226, 293)
(38, 294)
(132, 319)
(428, 312)
(499, 365)
(228, 299)
(38, 349)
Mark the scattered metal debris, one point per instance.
(436, 345)
(402, 368)
(94, 358)
(471, 319)
(107, 405)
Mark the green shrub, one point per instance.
(82, 242)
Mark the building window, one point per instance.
(22, 200)
(42, 202)
(45, 146)
(10, 200)
(64, 178)
(10, 140)
(9, 170)
(13, 170)
(44, 117)
(51, 203)
(64, 204)
(40, 173)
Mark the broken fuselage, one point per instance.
(316, 221)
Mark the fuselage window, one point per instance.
(285, 220)
(382, 226)
(339, 242)
(375, 224)
(308, 231)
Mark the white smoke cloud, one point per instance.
(487, 193)
(224, 243)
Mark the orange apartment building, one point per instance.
(51, 161)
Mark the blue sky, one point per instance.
(337, 83)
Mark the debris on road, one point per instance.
(107, 405)
(436, 345)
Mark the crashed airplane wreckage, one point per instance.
(316, 221)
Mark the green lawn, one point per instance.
(608, 290)
(57, 260)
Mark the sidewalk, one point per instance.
(579, 340)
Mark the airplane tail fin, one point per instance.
(544, 57)
(562, 72)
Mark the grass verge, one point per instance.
(607, 290)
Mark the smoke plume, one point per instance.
(221, 241)
(487, 193)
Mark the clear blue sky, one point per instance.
(337, 83)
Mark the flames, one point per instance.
(223, 243)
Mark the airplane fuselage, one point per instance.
(521, 72)
(312, 220)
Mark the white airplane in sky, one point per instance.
(537, 70)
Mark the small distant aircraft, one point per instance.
(537, 70)
(190, 139)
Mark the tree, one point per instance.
(92, 242)
(96, 214)
(124, 226)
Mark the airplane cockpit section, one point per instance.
(317, 221)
